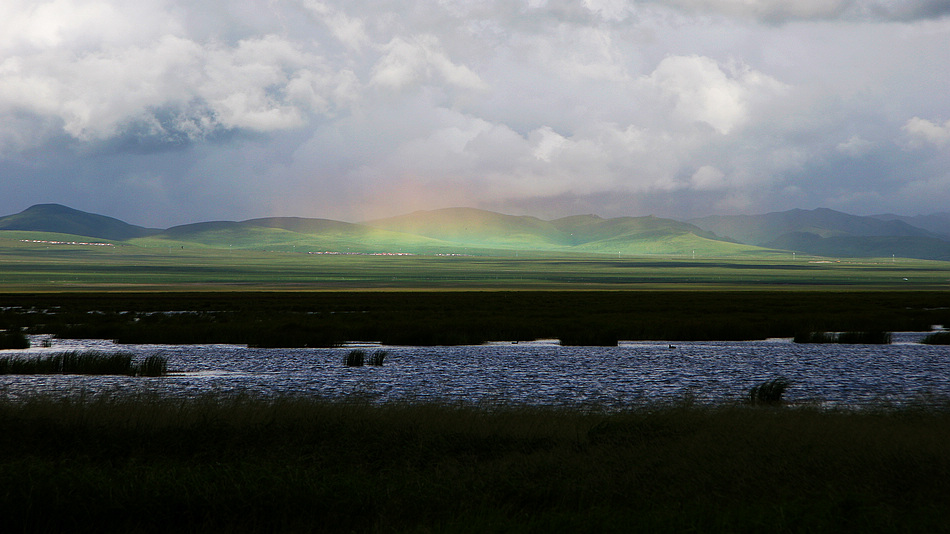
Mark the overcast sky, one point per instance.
(162, 112)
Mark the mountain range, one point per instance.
(822, 232)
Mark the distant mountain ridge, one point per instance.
(826, 232)
(821, 232)
(60, 219)
(938, 223)
(766, 228)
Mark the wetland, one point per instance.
(260, 426)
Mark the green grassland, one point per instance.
(157, 264)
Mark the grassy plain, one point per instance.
(47, 267)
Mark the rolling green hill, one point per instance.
(473, 227)
(644, 235)
(303, 235)
(581, 233)
(63, 220)
(480, 232)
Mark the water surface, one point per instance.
(535, 373)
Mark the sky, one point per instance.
(165, 112)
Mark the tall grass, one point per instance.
(814, 337)
(937, 338)
(358, 358)
(14, 339)
(152, 366)
(241, 464)
(83, 363)
(355, 358)
(869, 337)
(769, 393)
(378, 357)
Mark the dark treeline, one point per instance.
(446, 318)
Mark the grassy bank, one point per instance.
(446, 318)
(244, 465)
(84, 363)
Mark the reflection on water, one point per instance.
(541, 372)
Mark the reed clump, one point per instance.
(14, 339)
(355, 358)
(814, 337)
(937, 338)
(769, 393)
(359, 358)
(84, 363)
(868, 337)
(377, 358)
(152, 366)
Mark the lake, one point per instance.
(534, 373)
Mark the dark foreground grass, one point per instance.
(300, 465)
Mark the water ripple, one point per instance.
(539, 373)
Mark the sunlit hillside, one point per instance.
(471, 231)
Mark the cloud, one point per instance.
(348, 30)
(168, 86)
(420, 59)
(920, 132)
(331, 108)
(855, 147)
(782, 11)
(910, 10)
(699, 90)
(771, 10)
(708, 177)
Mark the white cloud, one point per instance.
(546, 143)
(921, 132)
(708, 177)
(79, 24)
(609, 9)
(348, 30)
(420, 59)
(261, 84)
(855, 146)
(701, 91)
